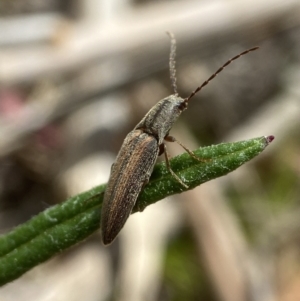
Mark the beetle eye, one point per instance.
(182, 106)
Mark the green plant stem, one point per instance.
(64, 225)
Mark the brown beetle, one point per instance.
(138, 154)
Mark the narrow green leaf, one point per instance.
(64, 225)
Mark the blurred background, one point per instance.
(77, 76)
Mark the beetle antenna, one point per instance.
(218, 71)
(172, 62)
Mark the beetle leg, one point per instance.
(173, 139)
(161, 149)
(169, 167)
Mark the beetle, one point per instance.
(137, 156)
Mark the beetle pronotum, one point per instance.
(140, 149)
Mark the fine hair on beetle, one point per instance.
(140, 149)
